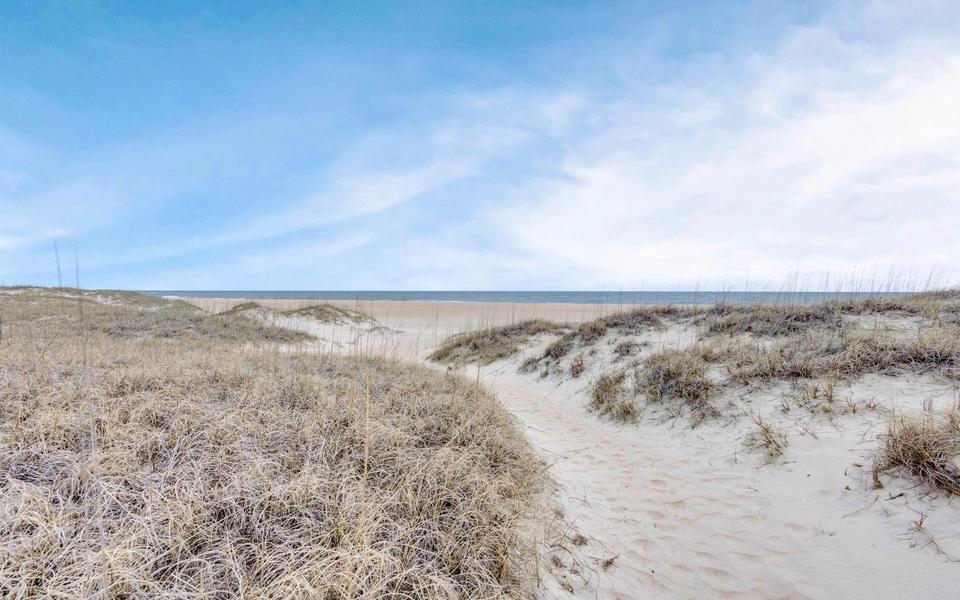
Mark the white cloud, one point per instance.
(825, 155)
(10, 241)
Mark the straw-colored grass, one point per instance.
(60, 313)
(559, 348)
(610, 397)
(676, 375)
(324, 313)
(489, 345)
(849, 354)
(205, 465)
(771, 319)
(926, 447)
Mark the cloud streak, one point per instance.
(830, 155)
(833, 145)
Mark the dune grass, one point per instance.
(328, 313)
(924, 446)
(64, 312)
(488, 345)
(609, 396)
(744, 344)
(208, 464)
(325, 313)
(676, 375)
(771, 319)
(849, 355)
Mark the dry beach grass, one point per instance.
(926, 447)
(151, 450)
(737, 346)
(727, 434)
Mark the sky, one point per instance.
(478, 145)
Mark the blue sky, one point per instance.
(477, 145)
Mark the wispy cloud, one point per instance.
(831, 145)
(825, 154)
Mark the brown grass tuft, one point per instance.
(591, 331)
(577, 366)
(610, 397)
(559, 348)
(849, 354)
(488, 345)
(771, 319)
(625, 348)
(328, 313)
(772, 441)
(676, 375)
(635, 321)
(926, 447)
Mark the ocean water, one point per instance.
(599, 297)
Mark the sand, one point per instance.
(411, 330)
(697, 512)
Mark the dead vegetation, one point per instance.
(848, 354)
(739, 344)
(488, 345)
(625, 349)
(324, 313)
(63, 312)
(207, 465)
(676, 375)
(611, 398)
(771, 319)
(577, 366)
(328, 313)
(559, 348)
(772, 441)
(924, 446)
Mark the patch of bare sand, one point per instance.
(412, 329)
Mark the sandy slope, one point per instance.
(695, 512)
(691, 514)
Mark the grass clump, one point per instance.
(577, 366)
(677, 375)
(489, 345)
(559, 348)
(772, 441)
(145, 467)
(635, 321)
(611, 398)
(591, 331)
(849, 354)
(63, 312)
(328, 313)
(925, 447)
(771, 319)
(242, 308)
(625, 348)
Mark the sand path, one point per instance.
(685, 521)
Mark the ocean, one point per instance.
(597, 297)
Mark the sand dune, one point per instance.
(675, 511)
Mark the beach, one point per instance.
(282, 447)
(713, 509)
(413, 328)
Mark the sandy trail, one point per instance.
(688, 521)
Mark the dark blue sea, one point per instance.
(680, 297)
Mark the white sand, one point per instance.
(696, 512)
